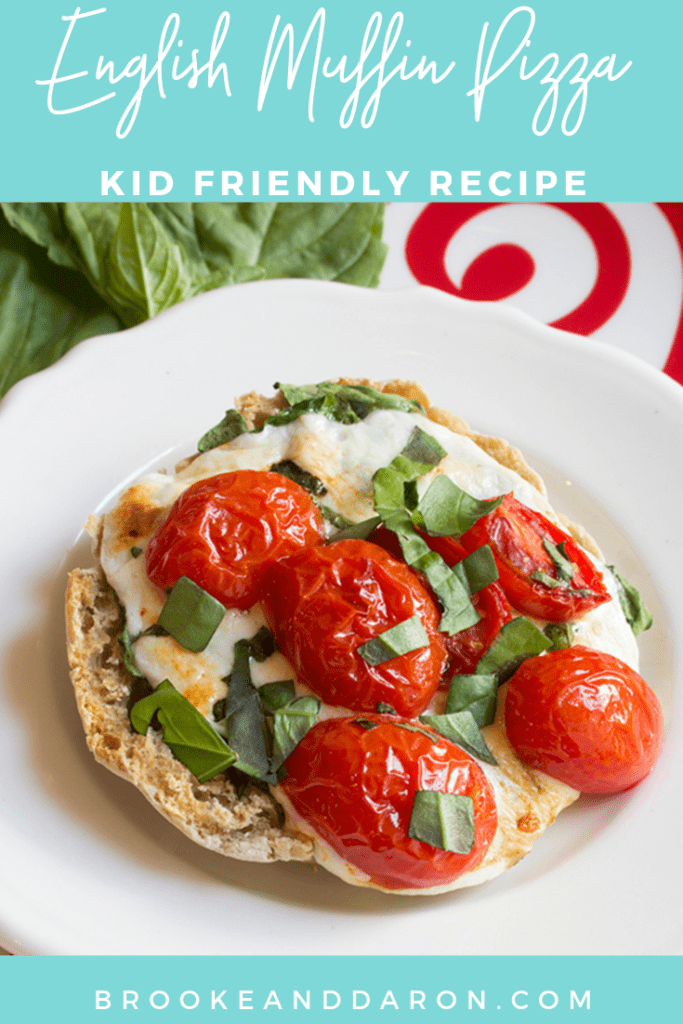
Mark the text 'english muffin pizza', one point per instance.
(351, 631)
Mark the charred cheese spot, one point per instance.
(136, 517)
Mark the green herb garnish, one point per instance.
(262, 644)
(343, 403)
(291, 722)
(477, 570)
(355, 531)
(126, 641)
(136, 552)
(632, 604)
(476, 694)
(564, 567)
(191, 615)
(409, 635)
(560, 634)
(275, 695)
(300, 476)
(445, 510)
(245, 725)
(193, 741)
(365, 723)
(460, 728)
(231, 426)
(517, 641)
(385, 709)
(443, 820)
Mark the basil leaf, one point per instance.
(446, 510)
(476, 694)
(246, 728)
(136, 552)
(193, 741)
(560, 634)
(564, 567)
(300, 476)
(409, 635)
(461, 728)
(346, 403)
(356, 531)
(443, 820)
(219, 710)
(276, 695)
(422, 449)
(409, 727)
(191, 615)
(122, 261)
(477, 570)
(126, 642)
(458, 613)
(231, 426)
(632, 604)
(290, 724)
(517, 641)
(385, 709)
(365, 723)
(44, 310)
(261, 645)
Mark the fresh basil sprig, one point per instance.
(516, 641)
(409, 635)
(632, 604)
(343, 403)
(193, 741)
(443, 820)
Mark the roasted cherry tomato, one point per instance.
(585, 718)
(467, 647)
(355, 785)
(325, 602)
(222, 530)
(516, 535)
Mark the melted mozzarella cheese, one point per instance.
(344, 457)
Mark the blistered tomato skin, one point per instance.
(491, 605)
(585, 718)
(221, 531)
(355, 788)
(323, 603)
(516, 535)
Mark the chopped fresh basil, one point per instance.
(477, 570)
(136, 552)
(446, 510)
(355, 531)
(461, 728)
(345, 403)
(231, 426)
(385, 709)
(193, 741)
(560, 634)
(365, 723)
(337, 520)
(126, 642)
(191, 615)
(300, 476)
(391, 503)
(262, 644)
(409, 635)
(548, 581)
(291, 722)
(458, 611)
(423, 449)
(219, 710)
(632, 604)
(476, 694)
(443, 820)
(245, 725)
(564, 567)
(276, 695)
(517, 641)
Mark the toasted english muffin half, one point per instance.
(240, 819)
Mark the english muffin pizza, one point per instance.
(350, 630)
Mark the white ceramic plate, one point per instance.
(92, 867)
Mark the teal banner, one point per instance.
(599, 990)
(449, 101)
